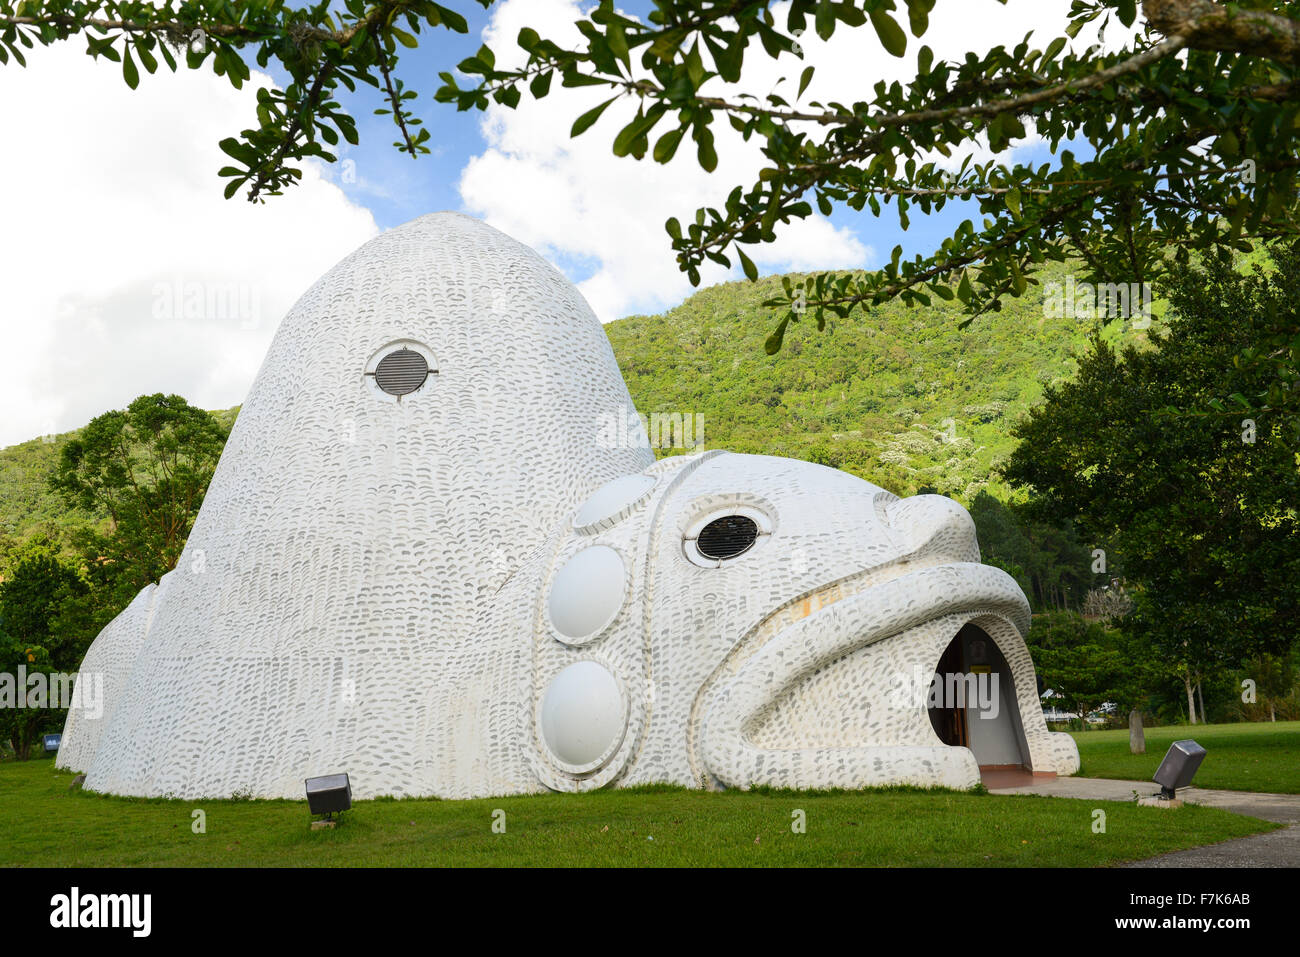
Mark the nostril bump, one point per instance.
(935, 525)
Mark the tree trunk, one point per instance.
(1272, 710)
(1201, 695)
(1137, 739)
(25, 734)
(1191, 698)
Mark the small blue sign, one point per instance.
(52, 742)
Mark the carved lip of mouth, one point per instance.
(821, 628)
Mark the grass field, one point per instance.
(1254, 756)
(45, 824)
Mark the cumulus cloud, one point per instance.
(576, 201)
(124, 271)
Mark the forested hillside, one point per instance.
(28, 506)
(899, 395)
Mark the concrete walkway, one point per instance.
(1275, 849)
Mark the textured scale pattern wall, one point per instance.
(373, 582)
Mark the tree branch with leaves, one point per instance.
(1181, 141)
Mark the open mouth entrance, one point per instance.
(972, 705)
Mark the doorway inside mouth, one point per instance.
(973, 705)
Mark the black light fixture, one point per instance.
(1178, 767)
(329, 795)
(52, 742)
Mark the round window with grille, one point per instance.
(722, 533)
(401, 372)
(727, 537)
(400, 369)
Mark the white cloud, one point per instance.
(111, 201)
(805, 245)
(572, 198)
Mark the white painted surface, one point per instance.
(583, 714)
(378, 577)
(587, 593)
(612, 501)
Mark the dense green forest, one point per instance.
(29, 507)
(899, 396)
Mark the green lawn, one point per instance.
(1249, 756)
(45, 824)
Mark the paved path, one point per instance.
(1275, 849)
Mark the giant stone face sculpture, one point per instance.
(422, 561)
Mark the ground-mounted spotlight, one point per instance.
(52, 742)
(328, 795)
(1178, 767)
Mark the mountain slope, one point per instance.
(899, 396)
(28, 506)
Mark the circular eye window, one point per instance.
(401, 372)
(400, 369)
(725, 533)
(727, 537)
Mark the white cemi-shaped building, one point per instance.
(434, 556)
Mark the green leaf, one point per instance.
(707, 154)
(1013, 203)
(1018, 281)
(528, 39)
(891, 34)
(747, 264)
(404, 38)
(667, 146)
(804, 79)
(129, 71)
(773, 344)
(238, 150)
(147, 58)
(824, 19)
(617, 40)
(728, 60)
(695, 65)
(452, 20)
(924, 59)
(629, 138)
(918, 15)
(584, 122)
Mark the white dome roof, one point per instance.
(346, 530)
